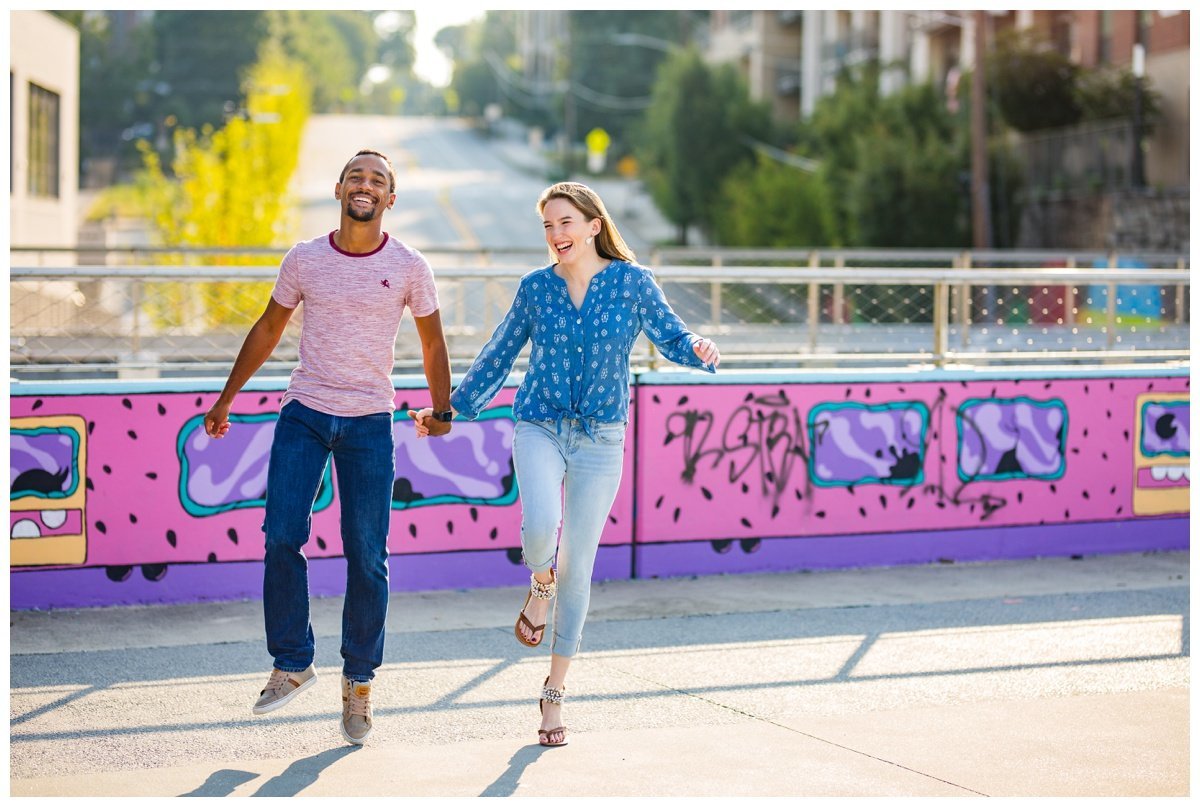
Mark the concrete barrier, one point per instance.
(118, 496)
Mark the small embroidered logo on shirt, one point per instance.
(385, 284)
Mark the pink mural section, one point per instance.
(120, 480)
(117, 496)
(757, 461)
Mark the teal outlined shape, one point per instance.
(1054, 403)
(813, 441)
(500, 501)
(1165, 405)
(191, 507)
(75, 469)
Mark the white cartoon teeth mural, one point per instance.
(1161, 452)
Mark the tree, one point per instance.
(486, 69)
(829, 133)
(201, 58)
(696, 132)
(115, 94)
(905, 191)
(1033, 84)
(1107, 92)
(775, 205)
(335, 48)
(612, 79)
(226, 189)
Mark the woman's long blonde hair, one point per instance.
(609, 243)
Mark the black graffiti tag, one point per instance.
(764, 433)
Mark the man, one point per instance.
(355, 283)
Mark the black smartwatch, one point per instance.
(444, 417)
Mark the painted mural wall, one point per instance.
(826, 459)
(124, 482)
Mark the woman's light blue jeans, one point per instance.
(364, 459)
(565, 477)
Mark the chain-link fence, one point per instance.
(75, 321)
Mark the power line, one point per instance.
(538, 90)
(779, 155)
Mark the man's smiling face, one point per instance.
(365, 190)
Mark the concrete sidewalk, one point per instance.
(1046, 677)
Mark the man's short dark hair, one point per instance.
(380, 154)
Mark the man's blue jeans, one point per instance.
(364, 460)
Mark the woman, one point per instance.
(583, 313)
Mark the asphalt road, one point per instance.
(1042, 677)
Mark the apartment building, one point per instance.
(766, 48)
(43, 158)
(792, 58)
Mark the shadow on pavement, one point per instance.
(506, 783)
(303, 772)
(222, 783)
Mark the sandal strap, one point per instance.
(540, 590)
(532, 627)
(552, 695)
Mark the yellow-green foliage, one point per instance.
(229, 189)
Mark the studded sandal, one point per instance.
(541, 591)
(551, 695)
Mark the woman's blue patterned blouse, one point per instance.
(579, 363)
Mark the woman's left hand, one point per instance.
(420, 418)
(706, 349)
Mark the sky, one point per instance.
(430, 64)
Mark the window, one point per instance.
(43, 142)
(1104, 55)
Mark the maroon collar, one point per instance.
(333, 244)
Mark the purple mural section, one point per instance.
(679, 559)
(736, 462)
(853, 444)
(1021, 438)
(473, 463)
(232, 471)
(1167, 429)
(42, 464)
(216, 582)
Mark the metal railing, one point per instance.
(173, 320)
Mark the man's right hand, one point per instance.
(216, 421)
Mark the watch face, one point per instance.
(445, 417)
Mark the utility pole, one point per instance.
(981, 219)
(1137, 166)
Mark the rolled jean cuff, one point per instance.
(556, 650)
(537, 567)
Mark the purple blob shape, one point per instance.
(230, 470)
(1166, 428)
(43, 456)
(471, 462)
(857, 443)
(1020, 438)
